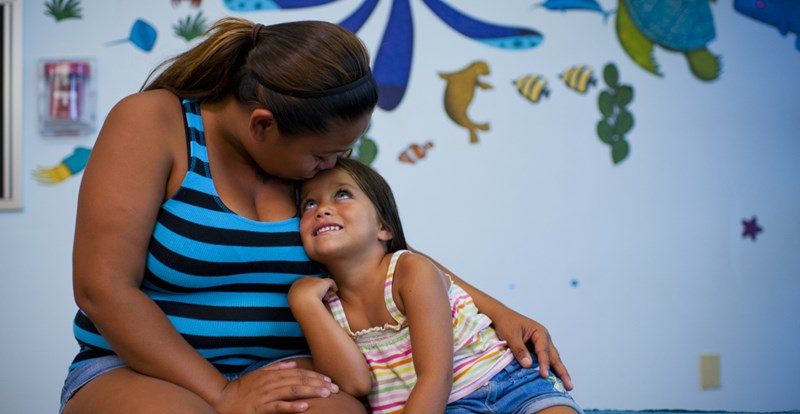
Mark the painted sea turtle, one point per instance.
(684, 26)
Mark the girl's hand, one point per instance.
(311, 287)
(274, 389)
(523, 333)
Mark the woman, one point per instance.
(187, 240)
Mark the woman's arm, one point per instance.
(334, 353)
(421, 294)
(123, 186)
(519, 331)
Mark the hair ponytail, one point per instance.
(307, 73)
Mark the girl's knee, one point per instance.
(558, 409)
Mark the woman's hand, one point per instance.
(522, 334)
(274, 389)
(519, 331)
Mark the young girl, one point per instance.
(402, 333)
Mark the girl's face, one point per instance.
(337, 220)
(302, 157)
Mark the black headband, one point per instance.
(318, 94)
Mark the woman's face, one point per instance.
(301, 157)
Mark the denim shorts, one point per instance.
(94, 368)
(515, 390)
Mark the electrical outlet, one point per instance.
(709, 371)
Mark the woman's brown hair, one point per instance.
(287, 68)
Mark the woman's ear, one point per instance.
(262, 121)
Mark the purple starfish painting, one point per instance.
(751, 228)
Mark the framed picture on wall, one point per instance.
(11, 103)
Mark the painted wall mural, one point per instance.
(751, 228)
(394, 56)
(640, 26)
(682, 26)
(532, 87)
(783, 14)
(70, 166)
(415, 152)
(579, 78)
(63, 9)
(142, 35)
(617, 119)
(585, 5)
(191, 27)
(459, 93)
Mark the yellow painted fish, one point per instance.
(579, 78)
(532, 87)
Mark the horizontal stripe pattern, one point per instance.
(478, 353)
(221, 279)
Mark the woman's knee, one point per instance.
(123, 391)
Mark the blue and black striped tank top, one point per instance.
(221, 279)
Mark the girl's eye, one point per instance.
(309, 205)
(343, 194)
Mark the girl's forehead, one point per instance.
(328, 178)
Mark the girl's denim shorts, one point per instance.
(516, 390)
(90, 370)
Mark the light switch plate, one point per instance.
(709, 371)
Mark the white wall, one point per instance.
(654, 243)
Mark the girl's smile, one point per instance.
(337, 218)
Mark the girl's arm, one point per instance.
(333, 351)
(519, 331)
(421, 294)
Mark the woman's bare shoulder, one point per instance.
(145, 127)
(154, 106)
(150, 116)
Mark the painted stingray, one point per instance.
(783, 14)
(392, 65)
(143, 35)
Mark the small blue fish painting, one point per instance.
(532, 87)
(143, 35)
(258, 5)
(783, 14)
(564, 5)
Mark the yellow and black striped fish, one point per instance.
(532, 87)
(578, 78)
